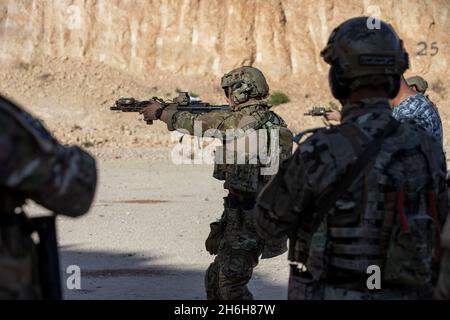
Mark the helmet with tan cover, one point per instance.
(420, 84)
(244, 83)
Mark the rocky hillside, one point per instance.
(77, 56)
(211, 36)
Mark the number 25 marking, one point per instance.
(422, 45)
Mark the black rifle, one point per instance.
(48, 258)
(180, 103)
(318, 111)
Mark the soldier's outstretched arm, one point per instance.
(218, 120)
(34, 165)
(198, 123)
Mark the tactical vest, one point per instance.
(379, 220)
(247, 178)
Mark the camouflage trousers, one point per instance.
(238, 251)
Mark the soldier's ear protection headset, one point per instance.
(340, 88)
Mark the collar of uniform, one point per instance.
(408, 100)
(354, 110)
(251, 103)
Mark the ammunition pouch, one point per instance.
(245, 203)
(215, 236)
(302, 285)
(274, 248)
(415, 246)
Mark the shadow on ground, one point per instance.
(122, 275)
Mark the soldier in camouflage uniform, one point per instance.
(369, 192)
(233, 238)
(34, 166)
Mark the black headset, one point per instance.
(340, 88)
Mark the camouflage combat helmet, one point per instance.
(361, 54)
(244, 83)
(417, 81)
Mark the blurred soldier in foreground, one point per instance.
(366, 196)
(411, 104)
(233, 238)
(33, 165)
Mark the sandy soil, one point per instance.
(144, 236)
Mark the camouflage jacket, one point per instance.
(402, 189)
(248, 176)
(33, 165)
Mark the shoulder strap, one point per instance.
(260, 119)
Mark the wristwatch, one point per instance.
(158, 112)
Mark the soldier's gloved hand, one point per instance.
(149, 112)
